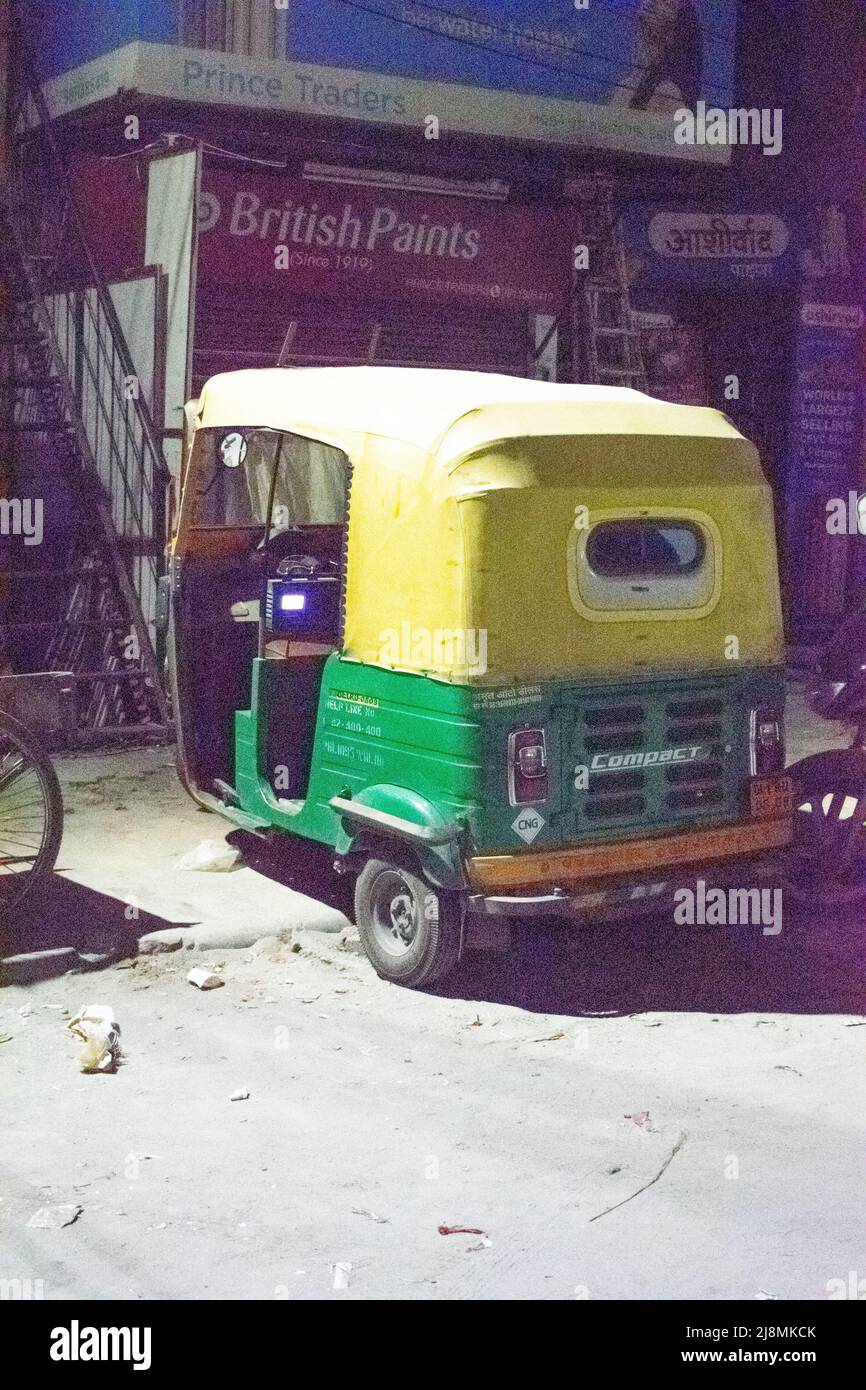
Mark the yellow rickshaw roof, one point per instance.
(422, 407)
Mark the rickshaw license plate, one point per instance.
(772, 796)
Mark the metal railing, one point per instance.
(101, 396)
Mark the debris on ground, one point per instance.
(240, 1094)
(667, 1163)
(210, 857)
(155, 943)
(271, 947)
(371, 1216)
(53, 1218)
(204, 979)
(341, 1274)
(461, 1231)
(641, 1118)
(98, 1031)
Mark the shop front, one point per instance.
(711, 288)
(317, 272)
(758, 313)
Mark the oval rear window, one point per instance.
(643, 549)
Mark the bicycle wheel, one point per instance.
(31, 812)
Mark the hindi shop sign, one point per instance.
(714, 249)
(298, 237)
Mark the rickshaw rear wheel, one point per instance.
(410, 931)
(827, 861)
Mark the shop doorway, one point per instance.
(744, 337)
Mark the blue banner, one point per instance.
(646, 55)
(823, 548)
(63, 34)
(627, 52)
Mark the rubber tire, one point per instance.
(437, 946)
(38, 759)
(840, 770)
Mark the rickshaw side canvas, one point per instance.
(559, 630)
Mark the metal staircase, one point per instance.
(602, 319)
(76, 441)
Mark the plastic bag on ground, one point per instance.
(211, 856)
(98, 1031)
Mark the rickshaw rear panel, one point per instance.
(647, 757)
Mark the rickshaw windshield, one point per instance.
(249, 476)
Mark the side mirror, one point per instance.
(233, 449)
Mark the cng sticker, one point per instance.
(528, 824)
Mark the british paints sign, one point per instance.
(342, 241)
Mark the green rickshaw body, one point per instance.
(434, 753)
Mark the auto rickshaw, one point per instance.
(507, 647)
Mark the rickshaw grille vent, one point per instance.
(627, 741)
(695, 731)
(623, 715)
(614, 729)
(659, 794)
(694, 709)
(618, 783)
(698, 720)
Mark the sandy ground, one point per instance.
(531, 1099)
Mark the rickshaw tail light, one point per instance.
(767, 738)
(527, 767)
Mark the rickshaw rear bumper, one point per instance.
(755, 853)
(618, 901)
